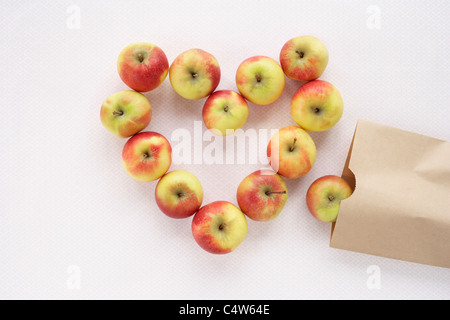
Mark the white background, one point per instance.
(73, 225)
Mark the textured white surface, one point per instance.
(74, 225)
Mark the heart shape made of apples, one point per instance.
(220, 226)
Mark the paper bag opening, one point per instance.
(400, 207)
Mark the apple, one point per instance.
(179, 194)
(260, 80)
(147, 156)
(142, 66)
(317, 106)
(125, 113)
(304, 58)
(324, 197)
(194, 74)
(291, 152)
(219, 227)
(262, 195)
(224, 112)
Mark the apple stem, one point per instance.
(293, 145)
(222, 226)
(140, 57)
(275, 192)
(194, 75)
(258, 78)
(300, 53)
(225, 109)
(118, 113)
(330, 197)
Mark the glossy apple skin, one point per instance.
(260, 80)
(304, 58)
(324, 197)
(224, 112)
(262, 195)
(291, 152)
(219, 227)
(147, 156)
(317, 106)
(194, 74)
(144, 75)
(125, 113)
(179, 194)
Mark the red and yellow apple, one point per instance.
(291, 152)
(147, 156)
(179, 194)
(194, 74)
(260, 80)
(262, 195)
(324, 197)
(317, 106)
(224, 112)
(142, 66)
(219, 227)
(125, 113)
(304, 58)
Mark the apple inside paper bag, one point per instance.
(400, 207)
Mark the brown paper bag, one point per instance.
(401, 204)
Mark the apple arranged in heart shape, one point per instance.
(125, 113)
(291, 152)
(304, 58)
(142, 66)
(262, 195)
(179, 194)
(147, 156)
(224, 112)
(220, 226)
(260, 80)
(317, 106)
(194, 74)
